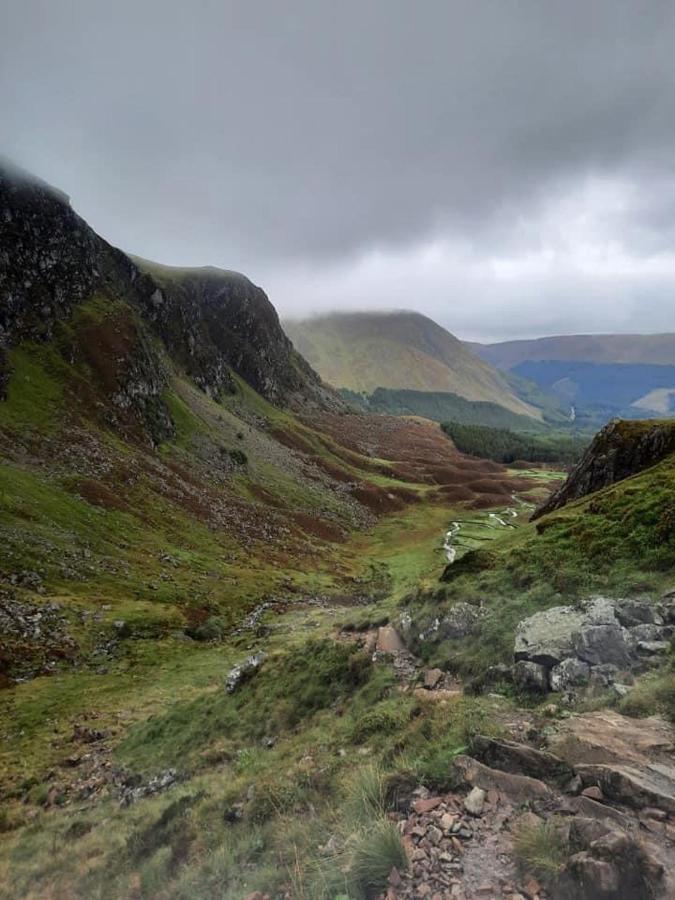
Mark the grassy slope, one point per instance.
(620, 540)
(243, 503)
(364, 351)
(335, 720)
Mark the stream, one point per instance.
(494, 521)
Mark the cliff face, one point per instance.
(214, 321)
(211, 322)
(621, 449)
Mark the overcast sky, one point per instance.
(507, 168)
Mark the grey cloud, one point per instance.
(302, 136)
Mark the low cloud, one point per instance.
(504, 167)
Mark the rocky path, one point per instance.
(617, 844)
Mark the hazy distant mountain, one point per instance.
(613, 374)
(652, 349)
(399, 350)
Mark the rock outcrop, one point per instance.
(621, 449)
(212, 323)
(599, 643)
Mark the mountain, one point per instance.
(210, 321)
(222, 625)
(600, 376)
(651, 349)
(399, 350)
(166, 452)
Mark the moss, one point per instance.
(35, 393)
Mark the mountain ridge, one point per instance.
(209, 320)
(399, 350)
(655, 349)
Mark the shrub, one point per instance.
(212, 629)
(384, 719)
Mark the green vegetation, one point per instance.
(439, 406)
(366, 351)
(653, 695)
(506, 446)
(35, 392)
(541, 849)
(620, 539)
(285, 784)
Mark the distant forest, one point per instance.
(502, 445)
(439, 406)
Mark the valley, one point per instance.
(258, 643)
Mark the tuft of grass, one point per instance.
(373, 852)
(541, 850)
(652, 695)
(365, 795)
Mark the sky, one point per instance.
(506, 167)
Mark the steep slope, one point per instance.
(650, 349)
(150, 414)
(620, 450)
(211, 322)
(364, 351)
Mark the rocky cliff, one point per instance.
(211, 322)
(620, 450)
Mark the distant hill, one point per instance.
(604, 375)
(399, 350)
(650, 349)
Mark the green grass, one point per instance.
(541, 850)
(35, 393)
(373, 852)
(621, 539)
(278, 698)
(654, 694)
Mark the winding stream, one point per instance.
(494, 521)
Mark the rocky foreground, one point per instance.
(606, 798)
(598, 787)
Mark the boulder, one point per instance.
(243, 672)
(631, 612)
(647, 632)
(652, 784)
(520, 759)
(569, 674)
(599, 812)
(601, 644)
(606, 736)
(460, 621)
(475, 801)
(530, 676)
(389, 640)
(610, 865)
(590, 644)
(432, 677)
(518, 788)
(546, 637)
